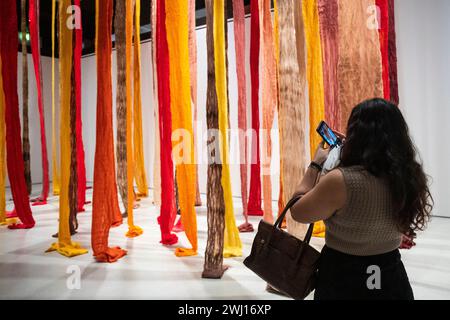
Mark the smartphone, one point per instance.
(328, 135)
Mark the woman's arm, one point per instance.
(323, 200)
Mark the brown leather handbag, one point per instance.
(286, 263)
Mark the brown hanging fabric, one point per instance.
(25, 127)
(73, 180)
(292, 118)
(213, 267)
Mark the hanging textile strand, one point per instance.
(328, 18)
(383, 32)
(314, 71)
(292, 118)
(55, 171)
(193, 75)
(269, 100)
(105, 206)
(239, 40)
(133, 230)
(25, 121)
(36, 53)
(254, 202)
(121, 101)
(177, 36)
(2, 152)
(168, 210)
(138, 147)
(73, 178)
(392, 48)
(157, 162)
(81, 164)
(65, 246)
(8, 54)
(213, 267)
(359, 67)
(233, 245)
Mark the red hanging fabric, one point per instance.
(254, 202)
(168, 208)
(383, 31)
(8, 51)
(81, 166)
(392, 52)
(105, 205)
(36, 53)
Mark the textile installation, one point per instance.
(180, 100)
(359, 67)
(105, 206)
(292, 119)
(193, 75)
(65, 246)
(254, 202)
(269, 101)
(2, 152)
(328, 17)
(157, 162)
(232, 245)
(239, 45)
(36, 53)
(383, 32)
(15, 164)
(73, 178)
(392, 47)
(213, 266)
(138, 147)
(168, 209)
(314, 71)
(80, 154)
(25, 121)
(55, 170)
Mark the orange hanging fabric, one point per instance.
(105, 206)
(8, 55)
(177, 38)
(269, 101)
(65, 246)
(359, 67)
(138, 147)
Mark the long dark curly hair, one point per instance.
(378, 139)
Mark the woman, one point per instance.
(378, 193)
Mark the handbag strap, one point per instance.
(289, 205)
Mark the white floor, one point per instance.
(151, 271)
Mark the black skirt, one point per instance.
(346, 277)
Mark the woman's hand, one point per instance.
(340, 135)
(321, 154)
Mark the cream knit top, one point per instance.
(365, 226)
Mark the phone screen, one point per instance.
(328, 135)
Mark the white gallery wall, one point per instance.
(423, 30)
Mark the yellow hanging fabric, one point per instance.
(232, 242)
(139, 167)
(180, 100)
(55, 171)
(315, 81)
(133, 231)
(2, 152)
(64, 245)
